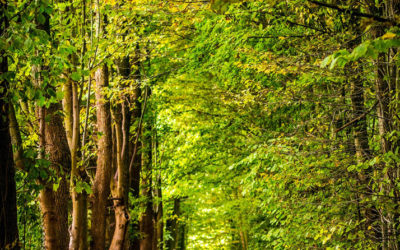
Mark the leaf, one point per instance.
(41, 19)
(326, 61)
(75, 76)
(359, 51)
(388, 35)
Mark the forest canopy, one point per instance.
(215, 124)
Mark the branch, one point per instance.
(354, 12)
(285, 36)
(355, 120)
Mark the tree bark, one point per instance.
(53, 141)
(54, 203)
(122, 174)
(101, 185)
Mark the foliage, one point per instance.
(251, 101)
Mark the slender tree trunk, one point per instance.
(8, 207)
(158, 217)
(78, 237)
(136, 158)
(146, 220)
(363, 153)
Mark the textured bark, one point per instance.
(54, 204)
(101, 185)
(8, 207)
(53, 140)
(122, 124)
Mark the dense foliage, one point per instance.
(219, 124)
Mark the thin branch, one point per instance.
(354, 12)
(355, 120)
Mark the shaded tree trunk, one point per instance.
(173, 226)
(8, 207)
(146, 220)
(135, 164)
(158, 216)
(385, 89)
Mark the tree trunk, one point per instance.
(135, 164)
(146, 220)
(8, 207)
(385, 88)
(158, 217)
(78, 237)
(122, 174)
(53, 141)
(54, 203)
(101, 185)
(173, 226)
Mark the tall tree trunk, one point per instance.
(363, 153)
(101, 185)
(158, 206)
(361, 142)
(122, 174)
(146, 220)
(53, 141)
(54, 203)
(158, 216)
(135, 163)
(8, 207)
(385, 88)
(78, 237)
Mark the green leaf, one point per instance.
(326, 61)
(41, 19)
(75, 76)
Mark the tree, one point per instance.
(8, 214)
